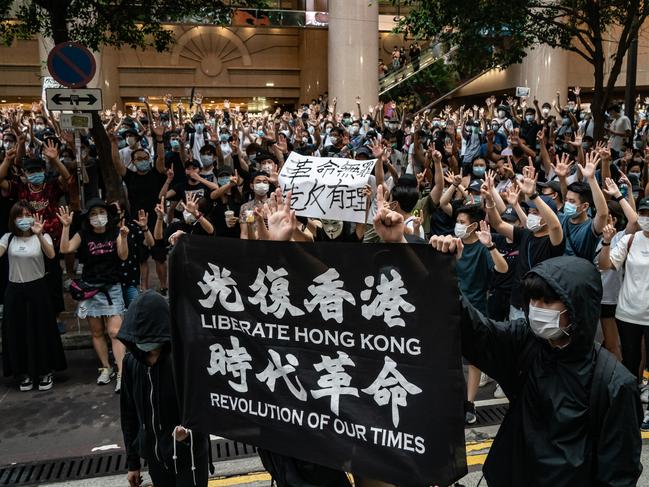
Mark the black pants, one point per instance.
(498, 304)
(631, 344)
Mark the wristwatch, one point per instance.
(493, 246)
(534, 195)
(618, 199)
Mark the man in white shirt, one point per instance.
(619, 129)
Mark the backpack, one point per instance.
(80, 290)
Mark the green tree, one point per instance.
(142, 24)
(494, 34)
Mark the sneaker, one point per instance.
(644, 394)
(163, 291)
(485, 379)
(118, 383)
(46, 382)
(498, 393)
(105, 376)
(469, 413)
(26, 384)
(645, 422)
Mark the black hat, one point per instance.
(31, 164)
(194, 163)
(95, 203)
(643, 204)
(548, 201)
(263, 156)
(475, 185)
(224, 171)
(553, 185)
(130, 131)
(364, 151)
(509, 215)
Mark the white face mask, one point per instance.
(334, 139)
(545, 323)
(261, 189)
(545, 112)
(99, 221)
(131, 141)
(353, 129)
(534, 223)
(189, 218)
(643, 222)
(461, 230)
(267, 168)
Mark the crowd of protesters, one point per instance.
(517, 180)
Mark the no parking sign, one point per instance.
(71, 64)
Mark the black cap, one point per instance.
(553, 185)
(475, 185)
(31, 164)
(263, 156)
(95, 203)
(643, 204)
(194, 163)
(509, 215)
(130, 131)
(364, 151)
(224, 171)
(548, 201)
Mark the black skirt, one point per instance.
(31, 343)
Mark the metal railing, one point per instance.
(433, 54)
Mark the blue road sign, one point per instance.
(71, 64)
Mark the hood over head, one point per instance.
(579, 285)
(147, 320)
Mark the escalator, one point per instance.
(423, 85)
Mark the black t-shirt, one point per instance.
(441, 223)
(98, 253)
(529, 132)
(532, 250)
(217, 217)
(143, 191)
(505, 281)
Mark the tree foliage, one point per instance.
(119, 23)
(494, 33)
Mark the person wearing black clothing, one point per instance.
(150, 415)
(101, 246)
(193, 220)
(500, 288)
(226, 199)
(541, 239)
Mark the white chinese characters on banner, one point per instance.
(328, 188)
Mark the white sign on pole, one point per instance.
(522, 91)
(328, 188)
(71, 121)
(87, 99)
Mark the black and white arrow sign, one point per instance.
(86, 99)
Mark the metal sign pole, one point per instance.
(77, 139)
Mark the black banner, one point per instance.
(346, 355)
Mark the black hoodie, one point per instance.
(148, 402)
(546, 439)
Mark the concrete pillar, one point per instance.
(313, 64)
(545, 71)
(353, 53)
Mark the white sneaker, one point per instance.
(485, 379)
(105, 376)
(118, 383)
(498, 393)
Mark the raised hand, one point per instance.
(513, 195)
(577, 90)
(281, 219)
(50, 150)
(142, 219)
(562, 166)
(592, 161)
(65, 216)
(123, 229)
(528, 185)
(160, 208)
(377, 149)
(484, 234)
(191, 203)
(611, 189)
(608, 232)
(387, 223)
(170, 173)
(37, 226)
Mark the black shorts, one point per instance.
(608, 310)
(158, 252)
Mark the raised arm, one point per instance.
(496, 222)
(528, 187)
(588, 171)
